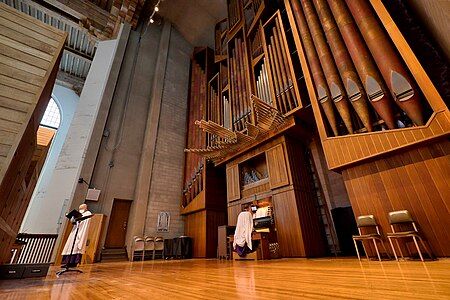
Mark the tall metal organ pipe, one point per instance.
(323, 93)
(335, 85)
(376, 89)
(395, 74)
(344, 63)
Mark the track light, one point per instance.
(152, 21)
(156, 8)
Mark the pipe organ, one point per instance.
(285, 72)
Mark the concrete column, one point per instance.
(102, 74)
(136, 223)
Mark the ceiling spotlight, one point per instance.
(152, 21)
(156, 8)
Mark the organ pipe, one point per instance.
(388, 61)
(335, 85)
(376, 90)
(323, 93)
(352, 84)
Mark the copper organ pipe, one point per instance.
(335, 85)
(323, 93)
(376, 90)
(396, 76)
(352, 84)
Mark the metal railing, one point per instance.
(35, 248)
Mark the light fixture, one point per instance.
(155, 10)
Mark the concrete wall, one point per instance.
(167, 173)
(33, 222)
(64, 178)
(138, 149)
(119, 155)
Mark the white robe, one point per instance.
(244, 229)
(80, 243)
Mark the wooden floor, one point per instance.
(213, 279)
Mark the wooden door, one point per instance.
(118, 222)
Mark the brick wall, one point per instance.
(166, 184)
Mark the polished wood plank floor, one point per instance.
(213, 279)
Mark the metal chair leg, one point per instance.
(153, 257)
(143, 255)
(393, 249)
(376, 249)
(418, 249)
(426, 247)
(356, 248)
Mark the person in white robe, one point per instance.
(80, 243)
(242, 243)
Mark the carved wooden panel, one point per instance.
(276, 165)
(233, 185)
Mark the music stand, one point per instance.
(77, 218)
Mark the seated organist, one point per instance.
(242, 243)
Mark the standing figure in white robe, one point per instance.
(80, 243)
(242, 243)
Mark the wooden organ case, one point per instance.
(253, 122)
(393, 152)
(203, 200)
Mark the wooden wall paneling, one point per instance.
(311, 226)
(417, 180)
(30, 181)
(12, 189)
(214, 219)
(195, 227)
(31, 51)
(24, 34)
(233, 183)
(289, 230)
(277, 167)
(233, 211)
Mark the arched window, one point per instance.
(52, 115)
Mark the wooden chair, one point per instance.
(368, 222)
(150, 246)
(159, 246)
(138, 247)
(403, 217)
